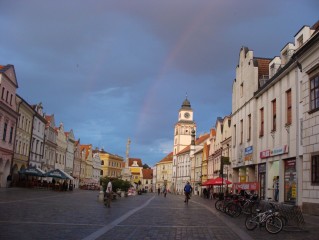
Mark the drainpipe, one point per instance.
(298, 164)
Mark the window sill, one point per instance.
(313, 110)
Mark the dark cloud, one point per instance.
(117, 69)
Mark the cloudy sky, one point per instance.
(113, 70)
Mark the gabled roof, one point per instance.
(138, 161)
(167, 158)
(147, 173)
(185, 150)
(198, 141)
(202, 138)
(86, 148)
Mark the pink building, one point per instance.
(8, 119)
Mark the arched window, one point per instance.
(102, 162)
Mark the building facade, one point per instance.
(8, 120)
(23, 137)
(50, 144)
(37, 142)
(164, 173)
(69, 155)
(250, 73)
(182, 138)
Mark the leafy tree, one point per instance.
(117, 183)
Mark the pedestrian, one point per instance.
(108, 194)
(276, 187)
(159, 191)
(164, 191)
(187, 191)
(205, 193)
(9, 180)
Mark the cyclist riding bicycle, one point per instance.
(187, 190)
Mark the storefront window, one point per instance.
(290, 181)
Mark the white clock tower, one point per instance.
(183, 128)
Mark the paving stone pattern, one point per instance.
(43, 214)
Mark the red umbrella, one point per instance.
(217, 181)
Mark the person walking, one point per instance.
(9, 180)
(108, 194)
(187, 190)
(164, 191)
(158, 191)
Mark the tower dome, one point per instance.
(186, 104)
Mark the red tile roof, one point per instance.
(263, 67)
(147, 173)
(138, 161)
(168, 158)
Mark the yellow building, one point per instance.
(204, 177)
(135, 165)
(111, 165)
(164, 172)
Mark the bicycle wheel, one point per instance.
(273, 225)
(233, 210)
(251, 222)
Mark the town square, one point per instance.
(173, 119)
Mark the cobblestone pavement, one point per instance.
(43, 214)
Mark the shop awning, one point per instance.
(217, 181)
(32, 171)
(58, 173)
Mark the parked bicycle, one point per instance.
(269, 218)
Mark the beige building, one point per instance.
(77, 164)
(60, 160)
(50, 144)
(164, 172)
(86, 174)
(23, 138)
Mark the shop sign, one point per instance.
(248, 153)
(274, 152)
(246, 186)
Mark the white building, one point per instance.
(37, 142)
(250, 73)
(307, 57)
(182, 138)
(69, 155)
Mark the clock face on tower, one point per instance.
(186, 115)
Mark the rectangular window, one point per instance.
(11, 99)
(234, 135)
(261, 132)
(273, 103)
(314, 93)
(289, 109)
(4, 131)
(11, 135)
(2, 94)
(241, 131)
(315, 169)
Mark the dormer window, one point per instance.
(300, 41)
